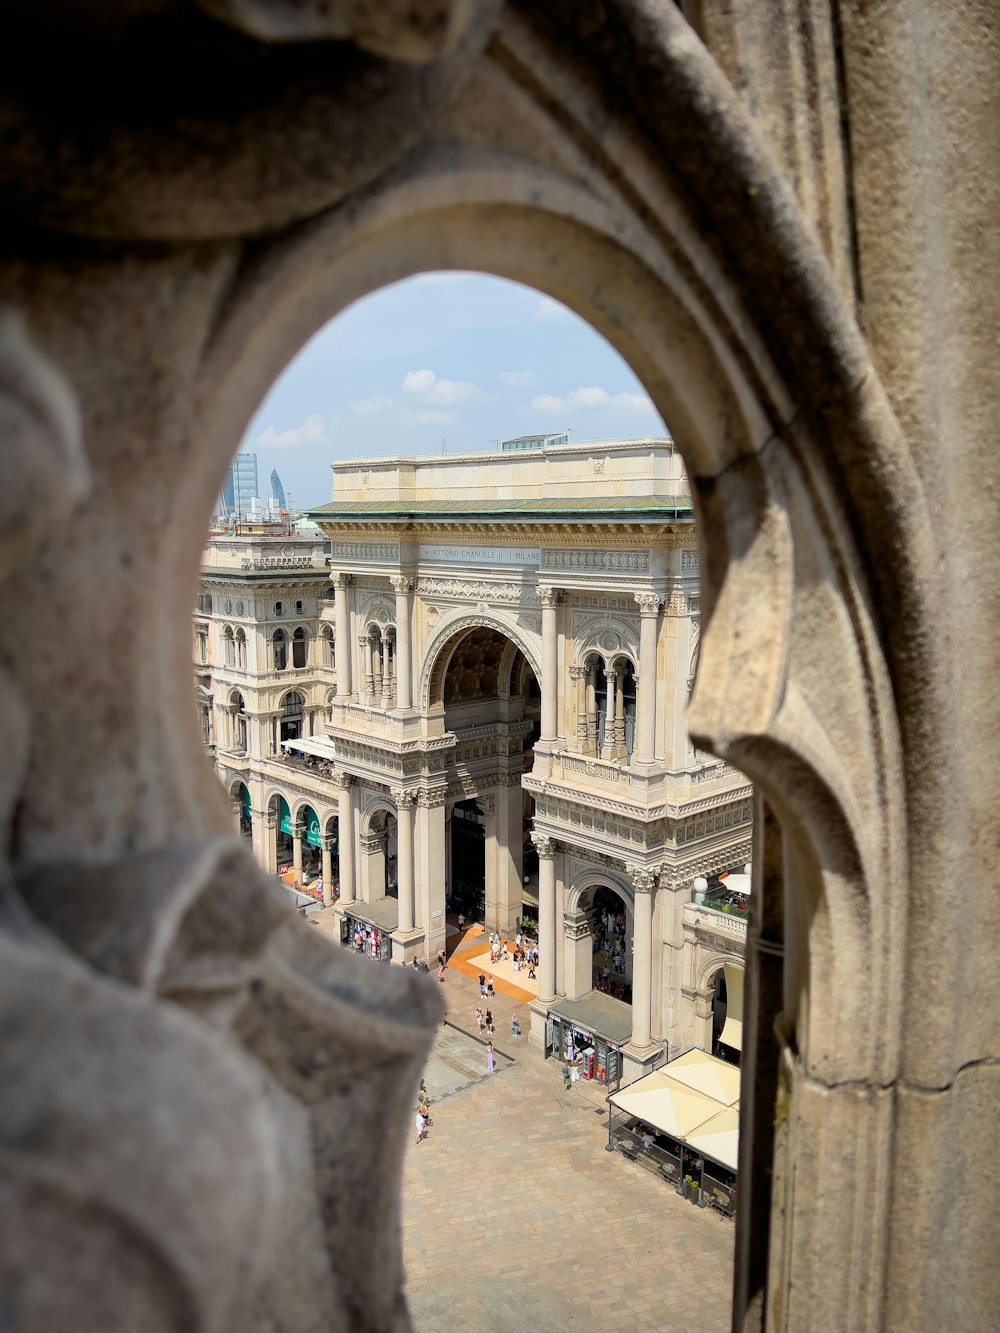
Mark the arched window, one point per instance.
(292, 716)
(228, 647)
(241, 650)
(280, 645)
(329, 652)
(300, 648)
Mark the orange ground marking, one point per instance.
(469, 969)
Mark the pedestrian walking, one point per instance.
(490, 1062)
(489, 989)
(440, 971)
(515, 1027)
(418, 1124)
(482, 985)
(461, 920)
(489, 1022)
(480, 1020)
(567, 1078)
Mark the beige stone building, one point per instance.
(784, 219)
(486, 689)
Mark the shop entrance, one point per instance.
(588, 1054)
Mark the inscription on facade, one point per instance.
(481, 555)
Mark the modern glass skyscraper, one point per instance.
(277, 490)
(241, 483)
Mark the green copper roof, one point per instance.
(620, 508)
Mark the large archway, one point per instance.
(488, 692)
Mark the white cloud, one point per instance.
(367, 407)
(590, 398)
(547, 402)
(548, 311)
(634, 402)
(518, 379)
(312, 431)
(425, 386)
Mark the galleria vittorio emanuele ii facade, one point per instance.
(472, 694)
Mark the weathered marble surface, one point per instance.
(784, 218)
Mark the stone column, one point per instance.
(645, 704)
(404, 695)
(430, 859)
(578, 674)
(375, 647)
(591, 706)
(550, 599)
(297, 831)
(405, 820)
(327, 848)
(610, 726)
(644, 883)
(345, 831)
(367, 680)
(342, 631)
(547, 943)
(386, 669)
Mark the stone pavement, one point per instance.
(514, 1216)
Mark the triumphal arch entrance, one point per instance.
(520, 634)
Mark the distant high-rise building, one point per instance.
(240, 489)
(277, 490)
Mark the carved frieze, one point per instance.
(604, 561)
(367, 552)
(477, 590)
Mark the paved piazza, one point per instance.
(515, 1217)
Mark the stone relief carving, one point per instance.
(474, 590)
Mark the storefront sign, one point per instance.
(482, 555)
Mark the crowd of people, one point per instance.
(522, 954)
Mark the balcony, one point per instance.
(714, 921)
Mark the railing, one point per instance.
(589, 767)
(710, 918)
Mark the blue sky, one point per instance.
(475, 357)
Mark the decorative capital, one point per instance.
(404, 797)
(648, 603)
(643, 879)
(432, 798)
(678, 604)
(342, 580)
(401, 583)
(550, 597)
(544, 845)
(343, 780)
(577, 672)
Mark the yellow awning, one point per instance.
(705, 1073)
(719, 1137)
(665, 1104)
